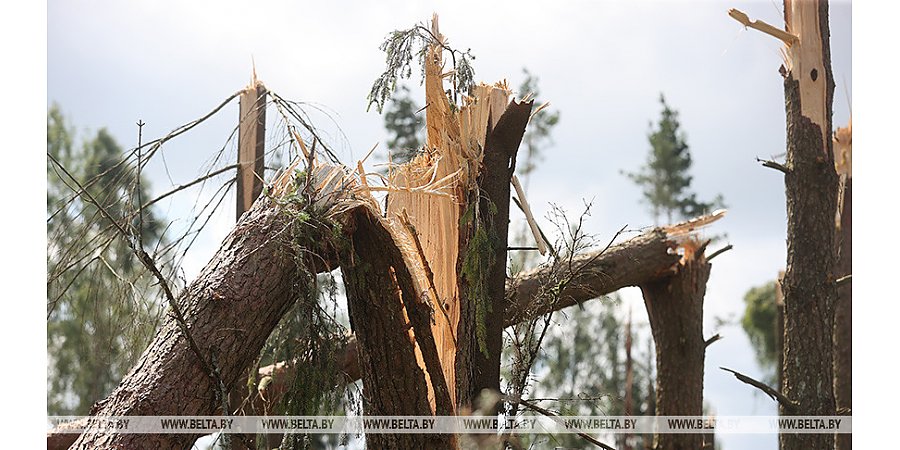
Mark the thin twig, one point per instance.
(719, 252)
(140, 231)
(556, 419)
(712, 340)
(843, 280)
(187, 185)
(774, 165)
(768, 390)
(154, 145)
(150, 265)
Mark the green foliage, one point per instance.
(399, 48)
(665, 178)
(312, 332)
(403, 126)
(101, 308)
(759, 323)
(477, 264)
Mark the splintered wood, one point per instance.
(803, 54)
(428, 193)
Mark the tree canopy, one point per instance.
(665, 178)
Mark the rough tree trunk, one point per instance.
(675, 308)
(630, 263)
(381, 298)
(501, 146)
(811, 186)
(230, 310)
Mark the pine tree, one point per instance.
(665, 178)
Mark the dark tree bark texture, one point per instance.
(380, 295)
(230, 309)
(500, 149)
(675, 308)
(843, 320)
(811, 186)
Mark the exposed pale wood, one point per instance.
(529, 217)
(764, 27)
(251, 145)
(631, 263)
(431, 189)
(807, 60)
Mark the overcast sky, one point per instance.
(601, 64)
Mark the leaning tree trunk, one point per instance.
(229, 309)
(675, 308)
(381, 297)
(811, 186)
(631, 263)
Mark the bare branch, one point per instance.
(556, 419)
(719, 252)
(768, 390)
(843, 280)
(774, 165)
(712, 340)
(150, 265)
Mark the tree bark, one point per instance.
(631, 263)
(392, 323)
(500, 149)
(811, 186)
(675, 308)
(843, 323)
(230, 310)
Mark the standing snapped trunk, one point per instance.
(675, 308)
(811, 186)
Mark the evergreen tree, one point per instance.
(101, 311)
(404, 127)
(665, 178)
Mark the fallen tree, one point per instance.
(426, 287)
(634, 262)
(262, 267)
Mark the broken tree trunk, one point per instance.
(393, 325)
(500, 148)
(675, 309)
(452, 203)
(811, 189)
(634, 262)
(843, 317)
(229, 310)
